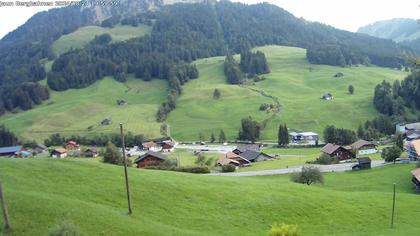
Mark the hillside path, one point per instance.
(323, 168)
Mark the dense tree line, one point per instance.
(374, 129)
(283, 135)
(97, 140)
(254, 63)
(7, 138)
(339, 136)
(23, 96)
(232, 70)
(250, 130)
(392, 99)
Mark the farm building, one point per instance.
(91, 152)
(59, 153)
(23, 154)
(167, 147)
(337, 151)
(150, 159)
(304, 137)
(39, 148)
(10, 151)
(408, 128)
(254, 156)
(416, 178)
(151, 146)
(226, 161)
(242, 148)
(72, 146)
(364, 163)
(363, 147)
(413, 149)
(327, 96)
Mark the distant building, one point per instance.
(39, 148)
(10, 151)
(327, 96)
(150, 159)
(416, 178)
(59, 153)
(304, 137)
(255, 156)
(72, 146)
(413, 149)
(243, 147)
(363, 147)
(167, 147)
(364, 163)
(91, 152)
(337, 151)
(231, 158)
(151, 146)
(408, 128)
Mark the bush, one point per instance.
(169, 163)
(308, 175)
(228, 168)
(326, 159)
(389, 154)
(188, 169)
(418, 164)
(65, 229)
(284, 230)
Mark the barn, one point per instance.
(150, 158)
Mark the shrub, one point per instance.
(169, 163)
(65, 229)
(193, 169)
(228, 168)
(389, 154)
(284, 230)
(418, 164)
(308, 175)
(326, 159)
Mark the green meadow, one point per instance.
(297, 84)
(75, 110)
(84, 35)
(42, 193)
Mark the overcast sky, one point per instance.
(343, 14)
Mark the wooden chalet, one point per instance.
(167, 147)
(363, 147)
(416, 178)
(59, 153)
(226, 161)
(232, 158)
(72, 146)
(337, 151)
(91, 152)
(414, 150)
(151, 146)
(150, 158)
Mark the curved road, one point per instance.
(323, 168)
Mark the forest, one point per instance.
(181, 34)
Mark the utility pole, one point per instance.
(4, 207)
(168, 130)
(393, 208)
(125, 170)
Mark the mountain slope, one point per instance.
(398, 30)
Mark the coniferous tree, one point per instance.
(222, 136)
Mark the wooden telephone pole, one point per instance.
(125, 170)
(4, 207)
(393, 208)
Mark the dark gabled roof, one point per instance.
(13, 149)
(364, 160)
(330, 148)
(41, 146)
(251, 155)
(244, 147)
(360, 143)
(151, 153)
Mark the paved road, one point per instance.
(210, 148)
(323, 168)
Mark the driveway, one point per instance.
(323, 168)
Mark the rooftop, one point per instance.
(13, 149)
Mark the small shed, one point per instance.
(91, 152)
(364, 163)
(59, 153)
(327, 96)
(339, 75)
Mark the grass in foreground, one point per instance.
(43, 192)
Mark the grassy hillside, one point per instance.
(73, 111)
(82, 36)
(42, 193)
(298, 85)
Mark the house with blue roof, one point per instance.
(10, 151)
